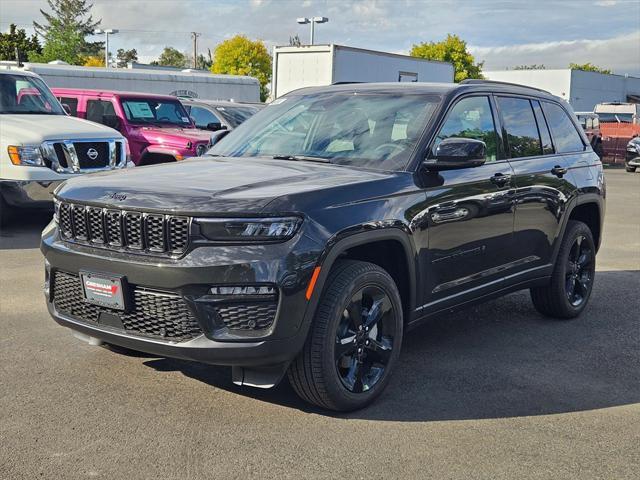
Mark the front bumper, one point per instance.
(28, 193)
(632, 159)
(288, 266)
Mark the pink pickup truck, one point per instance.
(157, 127)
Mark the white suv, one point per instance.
(41, 146)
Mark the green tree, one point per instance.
(588, 67)
(123, 57)
(172, 57)
(62, 44)
(453, 50)
(242, 56)
(17, 38)
(533, 66)
(65, 29)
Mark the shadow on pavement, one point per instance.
(24, 230)
(501, 359)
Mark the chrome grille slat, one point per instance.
(124, 230)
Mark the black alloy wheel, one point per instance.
(364, 339)
(579, 271)
(572, 280)
(354, 339)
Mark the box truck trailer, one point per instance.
(187, 83)
(316, 65)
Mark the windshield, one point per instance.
(156, 112)
(371, 130)
(236, 115)
(27, 95)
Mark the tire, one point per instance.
(325, 376)
(573, 276)
(630, 169)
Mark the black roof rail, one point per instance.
(346, 83)
(475, 81)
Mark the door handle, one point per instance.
(500, 179)
(559, 171)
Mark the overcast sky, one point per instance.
(502, 33)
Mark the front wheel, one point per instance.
(630, 169)
(354, 341)
(572, 280)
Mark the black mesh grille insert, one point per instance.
(92, 154)
(152, 314)
(155, 233)
(118, 229)
(113, 221)
(178, 233)
(65, 220)
(133, 230)
(96, 228)
(79, 218)
(248, 316)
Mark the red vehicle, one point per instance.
(157, 127)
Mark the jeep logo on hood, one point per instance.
(116, 196)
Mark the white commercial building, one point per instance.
(193, 83)
(317, 65)
(583, 90)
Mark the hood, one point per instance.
(173, 135)
(208, 185)
(35, 129)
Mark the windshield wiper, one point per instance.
(301, 158)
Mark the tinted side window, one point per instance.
(543, 128)
(203, 117)
(97, 109)
(520, 125)
(72, 103)
(471, 118)
(565, 136)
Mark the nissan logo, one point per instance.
(92, 153)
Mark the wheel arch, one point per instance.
(398, 260)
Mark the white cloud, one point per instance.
(606, 3)
(620, 54)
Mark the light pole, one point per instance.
(312, 21)
(107, 32)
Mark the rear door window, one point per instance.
(521, 127)
(72, 103)
(543, 128)
(203, 117)
(565, 136)
(98, 109)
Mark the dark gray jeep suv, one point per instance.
(322, 229)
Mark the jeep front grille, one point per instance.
(150, 233)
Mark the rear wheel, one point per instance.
(354, 341)
(572, 281)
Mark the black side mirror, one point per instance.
(215, 126)
(67, 109)
(111, 121)
(454, 153)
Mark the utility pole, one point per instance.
(194, 36)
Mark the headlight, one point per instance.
(249, 229)
(26, 155)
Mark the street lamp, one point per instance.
(107, 32)
(312, 21)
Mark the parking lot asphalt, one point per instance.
(496, 391)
